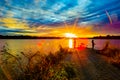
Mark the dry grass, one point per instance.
(112, 54)
(36, 66)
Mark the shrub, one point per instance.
(112, 53)
(37, 66)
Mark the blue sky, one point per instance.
(44, 16)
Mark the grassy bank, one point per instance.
(112, 54)
(36, 66)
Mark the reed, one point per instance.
(112, 54)
(37, 66)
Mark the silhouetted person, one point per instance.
(93, 44)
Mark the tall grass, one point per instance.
(112, 54)
(36, 66)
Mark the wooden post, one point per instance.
(74, 43)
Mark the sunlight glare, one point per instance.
(70, 35)
(70, 43)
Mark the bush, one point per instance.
(36, 66)
(112, 53)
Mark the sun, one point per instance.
(70, 41)
(70, 35)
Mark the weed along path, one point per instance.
(66, 64)
(91, 66)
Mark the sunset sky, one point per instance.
(85, 18)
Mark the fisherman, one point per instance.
(93, 44)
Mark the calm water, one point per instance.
(47, 45)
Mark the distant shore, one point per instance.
(37, 37)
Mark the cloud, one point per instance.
(13, 23)
(47, 17)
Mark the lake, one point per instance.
(45, 46)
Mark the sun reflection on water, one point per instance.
(70, 43)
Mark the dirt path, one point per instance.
(92, 66)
